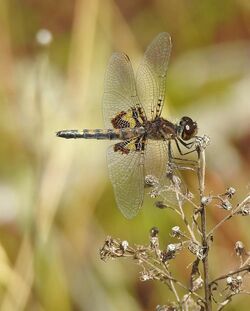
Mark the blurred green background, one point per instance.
(56, 202)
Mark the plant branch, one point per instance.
(164, 273)
(230, 215)
(183, 217)
(201, 178)
(224, 276)
(229, 299)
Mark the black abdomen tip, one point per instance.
(67, 134)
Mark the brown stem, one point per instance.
(205, 261)
(201, 177)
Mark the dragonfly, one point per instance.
(132, 107)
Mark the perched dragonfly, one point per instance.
(132, 109)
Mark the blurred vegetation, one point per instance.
(56, 203)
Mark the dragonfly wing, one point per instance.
(126, 171)
(120, 93)
(156, 158)
(151, 75)
(156, 161)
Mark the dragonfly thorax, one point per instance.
(159, 129)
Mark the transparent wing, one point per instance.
(126, 172)
(119, 88)
(156, 157)
(151, 75)
(156, 161)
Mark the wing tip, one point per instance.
(129, 216)
(166, 36)
(119, 55)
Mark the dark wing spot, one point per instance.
(121, 147)
(118, 121)
(135, 115)
(134, 144)
(142, 115)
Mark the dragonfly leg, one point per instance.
(173, 173)
(187, 145)
(180, 163)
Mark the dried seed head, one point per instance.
(176, 232)
(239, 279)
(226, 205)
(154, 232)
(171, 248)
(245, 210)
(151, 181)
(230, 192)
(234, 283)
(124, 245)
(198, 250)
(145, 276)
(229, 280)
(110, 249)
(165, 256)
(170, 251)
(206, 200)
(239, 248)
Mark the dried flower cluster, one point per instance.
(191, 235)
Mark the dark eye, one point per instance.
(189, 128)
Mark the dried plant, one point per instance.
(155, 263)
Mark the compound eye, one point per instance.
(185, 120)
(189, 129)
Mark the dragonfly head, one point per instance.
(188, 128)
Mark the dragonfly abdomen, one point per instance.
(90, 134)
(109, 134)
